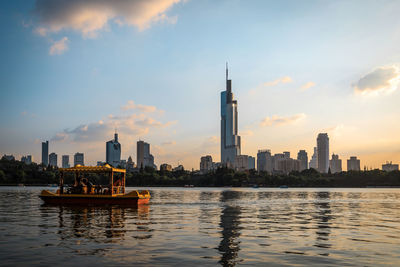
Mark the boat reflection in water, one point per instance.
(230, 223)
(78, 225)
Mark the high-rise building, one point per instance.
(313, 161)
(335, 164)
(144, 158)
(165, 167)
(287, 165)
(353, 164)
(264, 161)
(323, 152)
(388, 167)
(302, 157)
(113, 151)
(206, 164)
(230, 140)
(27, 159)
(45, 153)
(65, 161)
(244, 162)
(79, 159)
(53, 159)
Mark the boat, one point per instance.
(83, 192)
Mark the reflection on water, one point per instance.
(230, 225)
(204, 226)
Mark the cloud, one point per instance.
(131, 105)
(285, 79)
(169, 143)
(247, 133)
(307, 86)
(134, 125)
(277, 120)
(58, 47)
(90, 16)
(383, 80)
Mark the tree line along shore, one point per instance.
(15, 173)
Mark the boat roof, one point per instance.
(92, 169)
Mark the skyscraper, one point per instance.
(353, 164)
(264, 161)
(113, 151)
(323, 152)
(230, 140)
(302, 157)
(144, 158)
(45, 153)
(53, 159)
(65, 161)
(335, 164)
(313, 160)
(79, 159)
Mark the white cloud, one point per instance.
(58, 47)
(277, 120)
(307, 86)
(383, 80)
(131, 105)
(285, 79)
(90, 16)
(247, 133)
(169, 143)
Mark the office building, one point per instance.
(323, 152)
(244, 163)
(286, 165)
(388, 167)
(27, 159)
(113, 151)
(65, 161)
(313, 160)
(230, 140)
(45, 153)
(130, 165)
(79, 159)
(302, 157)
(335, 164)
(165, 167)
(353, 164)
(144, 158)
(206, 164)
(53, 159)
(264, 161)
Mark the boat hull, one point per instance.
(131, 199)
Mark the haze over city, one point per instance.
(72, 73)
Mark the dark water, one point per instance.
(201, 226)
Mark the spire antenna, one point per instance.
(227, 70)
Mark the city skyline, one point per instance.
(299, 70)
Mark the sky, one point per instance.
(72, 72)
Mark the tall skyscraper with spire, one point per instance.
(113, 151)
(230, 140)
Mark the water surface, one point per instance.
(206, 226)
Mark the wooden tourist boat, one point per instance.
(85, 193)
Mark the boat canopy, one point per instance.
(92, 169)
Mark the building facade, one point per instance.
(113, 151)
(230, 140)
(53, 159)
(388, 167)
(302, 157)
(323, 152)
(353, 164)
(45, 153)
(65, 161)
(206, 164)
(244, 163)
(144, 158)
(335, 164)
(79, 159)
(27, 159)
(313, 160)
(165, 167)
(264, 161)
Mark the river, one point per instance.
(206, 226)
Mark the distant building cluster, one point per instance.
(231, 157)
